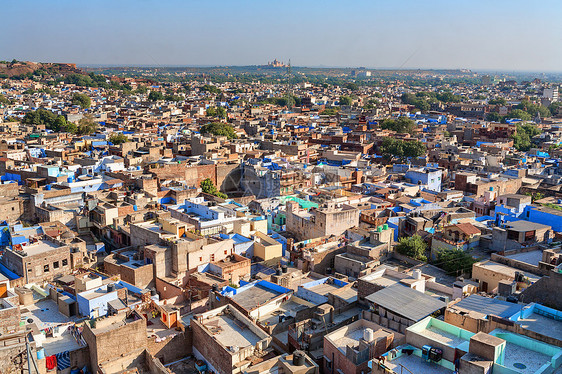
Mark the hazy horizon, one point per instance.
(498, 36)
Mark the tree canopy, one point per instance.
(412, 246)
(82, 100)
(155, 96)
(211, 89)
(455, 261)
(399, 148)
(219, 129)
(345, 100)
(400, 125)
(118, 138)
(522, 138)
(208, 187)
(216, 112)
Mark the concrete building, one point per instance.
(320, 222)
(105, 337)
(349, 349)
(266, 248)
(428, 177)
(227, 340)
(40, 259)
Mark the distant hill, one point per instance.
(27, 68)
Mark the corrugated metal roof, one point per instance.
(487, 306)
(406, 302)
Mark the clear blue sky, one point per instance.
(475, 34)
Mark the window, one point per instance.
(65, 262)
(200, 259)
(225, 252)
(212, 257)
(46, 268)
(55, 265)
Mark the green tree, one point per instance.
(155, 96)
(208, 187)
(400, 125)
(396, 148)
(345, 100)
(4, 100)
(522, 137)
(141, 90)
(555, 108)
(211, 89)
(216, 112)
(82, 100)
(412, 246)
(219, 129)
(87, 126)
(329, 112)
(413, 148)
(172, 97)
(455, 261)
(494, 117)
(352, 86)
(520, 114)
(119, 138)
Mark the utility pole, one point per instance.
(30, 357)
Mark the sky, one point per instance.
(509, 35)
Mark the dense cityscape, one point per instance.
(280, 187)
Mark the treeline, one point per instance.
(58, 123)
(423, 100)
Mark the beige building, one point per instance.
(320, 222)
(489, 274)
(266, 248)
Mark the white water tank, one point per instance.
(368, 335)
(417, 274)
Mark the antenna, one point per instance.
(289, 94)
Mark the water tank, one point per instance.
(368, 335)
(214, 287)
(379, 229)
(279, 272)
(284, 268)
(48, 187)
(110, 287)
(385, 226)
(153, 292)
(417, 274)
(138, 167)
(298, 358)
(135, 208)
(70, 179)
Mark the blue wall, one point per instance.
(536, 216)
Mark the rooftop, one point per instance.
(487, 306)
(255, 296)
(407, 302)
(230, 332)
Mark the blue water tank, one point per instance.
(135, 208)
(41, 353)
(70, 179)
(48, 187)
(138, 167)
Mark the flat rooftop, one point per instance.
(40, 247)
(542, 325)
(531, 257)
(416, 365)
(516, 354)
(230, 332)
(254, 296)
(324, 288)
